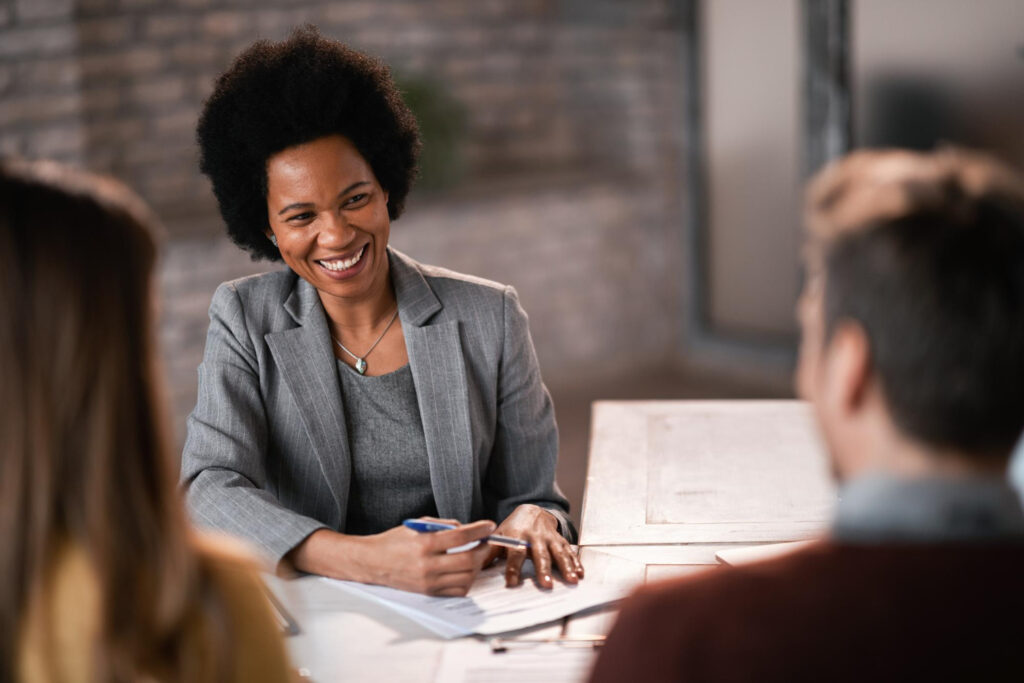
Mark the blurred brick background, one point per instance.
(548, 87)
(572, 149)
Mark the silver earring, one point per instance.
(273, 240)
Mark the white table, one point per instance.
(679, 472)
(669, 484)
(347, 637)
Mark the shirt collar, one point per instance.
(882, 507)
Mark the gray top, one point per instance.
(390, 469)
(881, 508)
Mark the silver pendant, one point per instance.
(360, 366)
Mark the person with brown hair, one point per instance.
(100, 577)
(912, 358)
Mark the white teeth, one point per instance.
(344, 264)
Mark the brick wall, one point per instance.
(546, 85)
(572, 146)
(40, 100)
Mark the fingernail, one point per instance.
(547, 578)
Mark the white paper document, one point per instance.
(490, 607)
(471, 661)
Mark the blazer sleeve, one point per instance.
(522, 464)
(223, 466)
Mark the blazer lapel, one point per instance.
(439, 374)
(307, 364)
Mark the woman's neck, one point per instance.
(363, 313)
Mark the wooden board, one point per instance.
(666, 472)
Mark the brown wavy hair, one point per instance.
(85, 458)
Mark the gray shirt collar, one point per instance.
(879, 508)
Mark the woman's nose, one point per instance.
(336, 232)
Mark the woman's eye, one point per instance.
(299, 217)
(356, 199)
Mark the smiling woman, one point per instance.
(329, 220)
(358, 387)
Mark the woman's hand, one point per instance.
(399, 558)
(538, 526)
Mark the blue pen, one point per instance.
(424, 527)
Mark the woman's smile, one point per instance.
(329, 216)
(342, 267)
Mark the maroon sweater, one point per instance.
(831, 613)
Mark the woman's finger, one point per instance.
(453, 522)
(463, 580)
(441, 541)
(514, 567)
(565, 561)
(448, 563)
(450, 592)
(492, 554)
(480, 555)
(542, 562)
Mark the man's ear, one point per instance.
(848, 366)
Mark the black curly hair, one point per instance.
(279, 95)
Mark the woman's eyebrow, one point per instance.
(297, 205)
(352, 187)
(303, 205)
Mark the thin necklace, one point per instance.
(361, 360)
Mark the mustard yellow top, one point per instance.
(64, 655)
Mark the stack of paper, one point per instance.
(490, 607)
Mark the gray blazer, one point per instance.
(266, 457)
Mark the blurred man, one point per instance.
(912, 357)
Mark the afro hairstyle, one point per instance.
(279, 95)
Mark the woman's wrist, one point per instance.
(328, 553)
(541, 513)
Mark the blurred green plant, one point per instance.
(442, 121)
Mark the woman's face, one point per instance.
(330, 217)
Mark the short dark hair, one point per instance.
(279, 95)
(926, 253)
